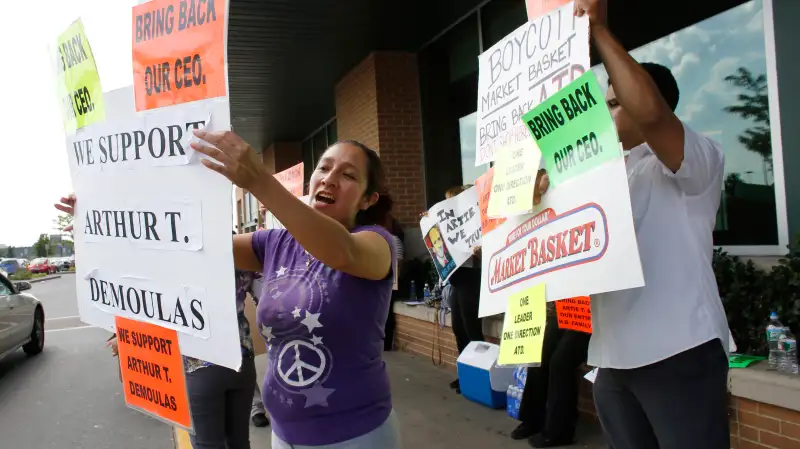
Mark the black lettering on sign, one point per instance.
(161, 22)
(189, 72)
(72, 52)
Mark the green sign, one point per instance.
(574, 129)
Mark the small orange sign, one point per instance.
(152, 371)
(538, 8)
(292, 179)
(484, 187)
(575, 314)
(178, 52)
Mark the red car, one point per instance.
(42, 265)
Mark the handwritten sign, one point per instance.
(574, 130)
(444, 259)
(484, 187)
(178, 52)
(523, 327)
(460, 220)
(538, 7)
(575, 314)
(521, 71)
(514, 180)
(292, 179)
(152, 371)
(78, 83)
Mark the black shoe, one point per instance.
(524, 431)
(455, 384)
(541, 440)
(260, 420)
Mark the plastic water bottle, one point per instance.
(412, 294)
(510, 401)
(788, 345)
(517, 401)
(426, 292)
(774, 333)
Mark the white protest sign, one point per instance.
(580, 241)
(524, 69)
(459, 220)
(153, 225)
(445, 259)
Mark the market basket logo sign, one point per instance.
(178, 52)
(548, 242)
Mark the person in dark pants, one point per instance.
(549, 408)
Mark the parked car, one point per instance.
(42, 265)
(21, 319)
(62, 263)
(11, 266)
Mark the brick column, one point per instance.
(378, 104)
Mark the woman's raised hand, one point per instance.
(233, 157)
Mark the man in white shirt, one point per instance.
(661, 349)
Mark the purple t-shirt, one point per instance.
(325, 382)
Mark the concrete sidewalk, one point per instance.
(431, 415)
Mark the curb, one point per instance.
(47, 278)
(180, 439)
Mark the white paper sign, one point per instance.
(580, 241)
(524, 69)
(459, 220)
(153, 227)
(445, 259)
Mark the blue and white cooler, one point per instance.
(481, 379)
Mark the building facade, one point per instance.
(403, 80)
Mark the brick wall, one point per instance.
(357, 104)
(755, 425)
(378, 104)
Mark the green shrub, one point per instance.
(749, 294)
(21, 275)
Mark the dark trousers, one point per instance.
(391, 324)
(220, 400)
(550, 399)
(677, 403)
(467, 327)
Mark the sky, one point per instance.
(33, 164)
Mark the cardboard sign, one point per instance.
(574, 130)
(292, 179)
(538, 7)
(77, 80)
(178, 51)
(575, 314)
(152, 225)
(514, 180)
(524, 69)
(152, 371)
(576, 242)
(483, 185)
(444, 260)
(460, 220)
(523, 327)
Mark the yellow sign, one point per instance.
(523, 328)
(514, 179)
(78, 84)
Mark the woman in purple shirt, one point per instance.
(326, 295)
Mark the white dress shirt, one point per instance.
(679, 307)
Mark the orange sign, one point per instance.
(178, 52)
(292, 179)
(152, 371)
(575, 314)
(538, 8)
(484, 187)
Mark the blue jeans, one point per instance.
(386, 436)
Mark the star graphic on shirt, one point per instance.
(281, 272)
(316, 340)
(283, 399)
(266, 331)
(311, 321)
(276, 294)
(289, 402)
(296, 312)
(317, 395)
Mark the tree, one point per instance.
(753, 105)
(61, 222)
(42, 246)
